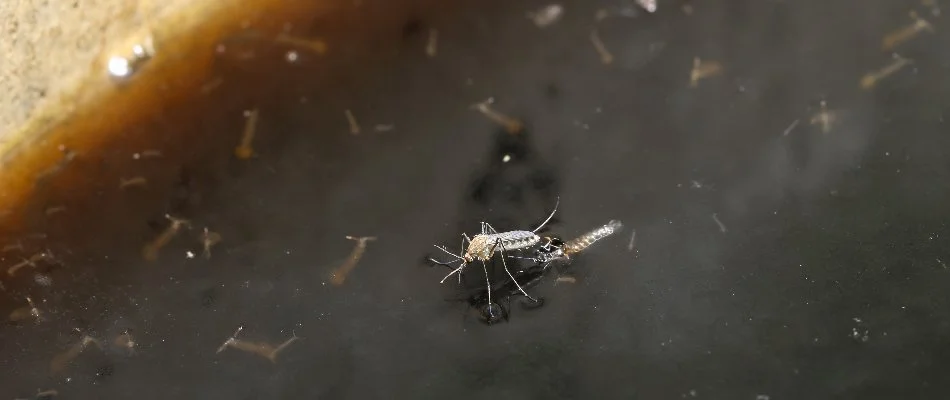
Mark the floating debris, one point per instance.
(122, 66)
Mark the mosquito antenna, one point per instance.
(549, 216)
(448, 252)
(446, 264)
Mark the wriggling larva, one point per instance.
(338, 276)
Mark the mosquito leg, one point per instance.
(505, 265)
(488, 285)
(491, 229)
(455, 271)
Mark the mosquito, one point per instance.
(482, 247)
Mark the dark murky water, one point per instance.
(826, 279)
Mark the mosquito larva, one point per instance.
(45, 394)
(384, 127)
(26, 312)
(432, 45)
(511, 125)
(338, 276)
(633, 241)
(147, 154)
(55, 210)
(702, 70)
(790, 127)
(871, 78)
(906, 33)
(125, 341)
(262, 349)
(150, 251)
(10, 247)
(136, 181)
(824, 118)
(61, 360)
(566, 279)
(605, 56)
(351, 120)
(316, 45)
(547, 15)
(245, 150)
(209, 239)
(27, 262)
(722, 227)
